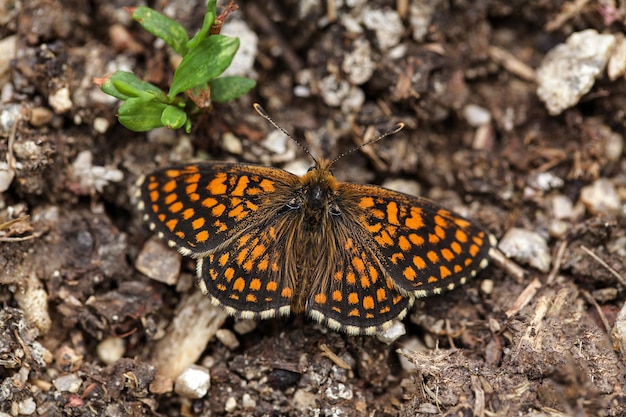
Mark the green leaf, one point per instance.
(173, 117)
(124, 85)
(141, 115)
(225, 89)
(209, 17)
(204, 63)
(163, 27)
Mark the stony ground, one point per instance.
(511, 122)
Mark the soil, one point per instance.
(83, 332)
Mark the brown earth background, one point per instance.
(84, 333)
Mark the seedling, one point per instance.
(196, 83)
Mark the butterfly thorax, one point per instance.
(317, 195)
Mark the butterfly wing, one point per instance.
(255, 276)
(349, 290)
(198, 207)
(424, 248)
(232, 218)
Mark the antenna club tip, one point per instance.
(398, 127)
(259, 109)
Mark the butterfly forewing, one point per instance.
(198, 207)
(423, 247)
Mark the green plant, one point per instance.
(196, 83)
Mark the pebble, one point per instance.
(600, 197)
(386, 24)
(8, 48)
(248, 402)
(393, 333)
(60, 100)
(6, 176)
(243, 63)
(243, 326)
(526, 247)
(100, 125)
(333, 90)
(476, 115)
(303, 400)
(158, 262)
(420, 15)
(486, 286)
(194, 382)
(227, 338)
(111, 349)
(93, 177)
(231, 405)
(27, 406)
(569, 70)
(40, 116)
(357, 63)
(617, 63)
(562, 207)
(33, 300)
(338, 391)
(618, 333)
(231, 143)
(68, 383)
(403, 186)
(410, 345)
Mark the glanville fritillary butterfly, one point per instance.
(270, 243)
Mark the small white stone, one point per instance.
(338, 391)
(601, 197)
(231, 143)
(231, 405)
(68, 383)
(159, 262)
(562, 207)
(194, 382)
(358, 64)
(475, 115)
(248, 402)
(100, 124)
(526, 246)
(227, 338)
(569, 70)
(618, 333)
(245, 326)
(393, 333)
(403, 185)
(303, 400)
(243, 63)
(386, 24)
(27, 406)
(412, 344)
(617, 62)
(420, 15)
(111, 349)
(334, 91)
(60, 100)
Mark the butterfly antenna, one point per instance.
(267, 117)
(395, 129)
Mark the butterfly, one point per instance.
(271, 243)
